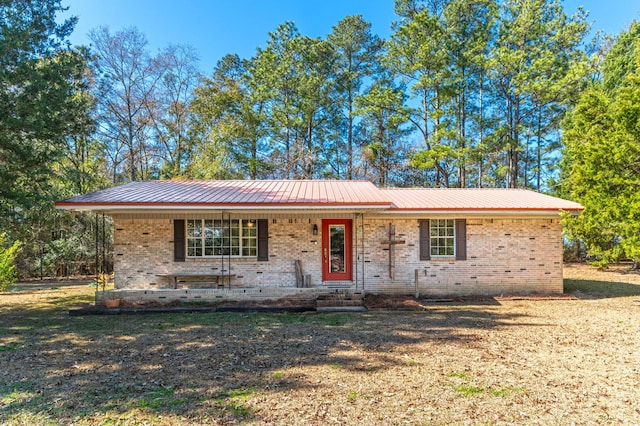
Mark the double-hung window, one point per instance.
(442, 238)
(211, 238)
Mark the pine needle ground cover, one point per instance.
(497, 361)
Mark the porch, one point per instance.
(319, 297)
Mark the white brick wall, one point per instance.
(503, 256)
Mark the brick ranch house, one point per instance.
(267, 239)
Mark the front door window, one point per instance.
(336, 235)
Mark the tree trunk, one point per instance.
(481, 130)
(350, 137)
(539, 150)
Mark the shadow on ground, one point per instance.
(67, 368)
(587, 289)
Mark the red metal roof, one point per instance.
(317, 194)
(267, 193)
(474, 199)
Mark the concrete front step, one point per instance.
(340, 299)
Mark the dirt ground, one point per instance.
(572, 360)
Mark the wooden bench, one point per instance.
(199, 278)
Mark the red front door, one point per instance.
(336, 250)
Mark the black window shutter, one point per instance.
(425, 242)
(178, 240)
(461, 239)
(263, 239)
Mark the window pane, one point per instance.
(449, 248)
(195, 247)
(194, 228)
(337, 247)
(208, 228)
(191, 248)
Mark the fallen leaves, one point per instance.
(570, 361)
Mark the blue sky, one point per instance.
(218, 27)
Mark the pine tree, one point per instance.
(601, 157)
(357, 56)
(41, 80)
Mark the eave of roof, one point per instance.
(235, 193)
(356, 196)
(475, 199)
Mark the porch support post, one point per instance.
(362, 240)
(104, 245)
(355, 220)
(97, 247)
(222, 249)
(230, 245)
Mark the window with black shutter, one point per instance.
(198, 238)
(443, 238)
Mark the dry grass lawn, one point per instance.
(497, 361)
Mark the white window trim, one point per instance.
(218, 256)
(453, 238)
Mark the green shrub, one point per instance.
(8, 274)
